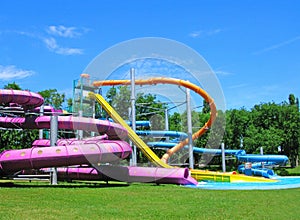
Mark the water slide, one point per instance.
(198, 150)
(197, 174)
(258, 169)
(107, 148)
(163, 134)
(129, 174)
(154, 81)
(276, 159)
(113, 130)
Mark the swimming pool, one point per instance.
(282, 183)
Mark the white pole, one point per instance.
(223, 157)
(262, 153)
(166, 123)
(133, 122)
(41, 114)
(189, 124)
(80, 132)
(53, 140)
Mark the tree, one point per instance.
(267, 125)
(12, 86)
(175, 122)
(291, 135)
(237, 122)
(147, 106)
(52, 97)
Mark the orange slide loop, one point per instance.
(184, 83)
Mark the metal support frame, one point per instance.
(190, 131)
(133, 113)
(53, 141)
(41, 131)
(223, 157)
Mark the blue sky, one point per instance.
(252, 46)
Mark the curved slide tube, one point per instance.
(26, 99)
(197, 174)
(130, 174)
(186, 84)
(277, 159)
(198, 149)
(113, 130)
(140, 123)
(162, 134)
(47, 110)
(71, 141)
(92, 151)
(41, 157)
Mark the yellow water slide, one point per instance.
(197, 174)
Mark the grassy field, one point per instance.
(288, 171)
(295, 170)
(142, 201)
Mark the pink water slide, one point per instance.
(113, 130)
(25, 99)
(108, 147)
(129, 174)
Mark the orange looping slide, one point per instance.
(186, 84)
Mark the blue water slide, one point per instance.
(175, 134)
(277, 159)
(267, 173)
(140, 123)
(197, 149)
(146, 124)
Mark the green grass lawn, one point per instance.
(142, 201)
(295, 170)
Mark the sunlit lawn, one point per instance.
(142, 201)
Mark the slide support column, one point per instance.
(190, 130)
(41, 114)
(223, 157)
(133, 114)
(53, 141)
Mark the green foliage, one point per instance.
(175, 122)
(267, 125)
(53, 98)
(147, 106)
(12, 85)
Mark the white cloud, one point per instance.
(276, 46)
(69, 51)
(12, 72)
(222, 73)
(53, 46)
(195, 34)
(63, 31)
(204, 33)
(51, 43)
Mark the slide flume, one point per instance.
(173, 81)
(106, 148)
(197, 174)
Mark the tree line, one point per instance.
(273, 126)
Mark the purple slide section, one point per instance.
(71, 141)
(40, 157)
(92, 151)
(130, 174)
(113, 130)
(47, 110)
(26, 99)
